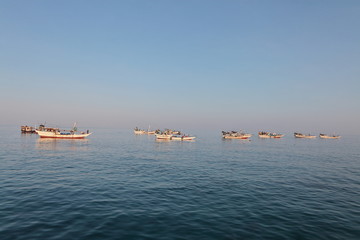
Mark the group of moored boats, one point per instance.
(241, 135)
(321, 135)
(166, 134)
(262, 134)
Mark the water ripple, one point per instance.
(135, 188)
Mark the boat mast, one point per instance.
(75, 128)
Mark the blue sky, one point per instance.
(253, 65)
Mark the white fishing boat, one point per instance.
(263, 135)
(49, 132)
(276, 135)
(235, 135)
(269, 135)
(171, 131)
(300, 135)
(182, 138)
(163, 136)
(329, 136)
(139, 131)
(149, 132)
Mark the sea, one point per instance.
(116, 185)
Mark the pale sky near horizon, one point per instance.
(232, 64)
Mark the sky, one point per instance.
(186, 64)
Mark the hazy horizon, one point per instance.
(252, 65)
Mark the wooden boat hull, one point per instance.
(139, 132)
(330, 137)
(246, 136)
(163, 136)
(304, 136)
(264, 136)
(270, 136)
(182, 138)
(277, 136)
(46, 134)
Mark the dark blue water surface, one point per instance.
(119, 186)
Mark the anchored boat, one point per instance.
(163, 136)
(27, 129)
(139, 131)
(269, 135)
(49, 132)
(300, 135)
(329, 136)
(182, 138)
(235, 135)
(169, 134)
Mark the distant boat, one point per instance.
(300, 135)
(171, 131)
(329, 136)
(235, 135)
(49, 132)
(149, 132)
(139, 131)
(27, 129)
(269, 135)
(163, 136)
(182, 138)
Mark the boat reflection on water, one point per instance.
(241, 141)
(54, 144)
(162, 140)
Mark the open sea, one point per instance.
(115, 185)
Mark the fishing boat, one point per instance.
(171, 131)
(300, 135)
(27, 129)
(276, 135)
(50, 132)
(182, 138)
(263, 135)
(139, 131)
(163, 136)
(235, 135)
(329, 136)
(149, 132)
(269, 135)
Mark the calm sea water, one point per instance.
(119, 186)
